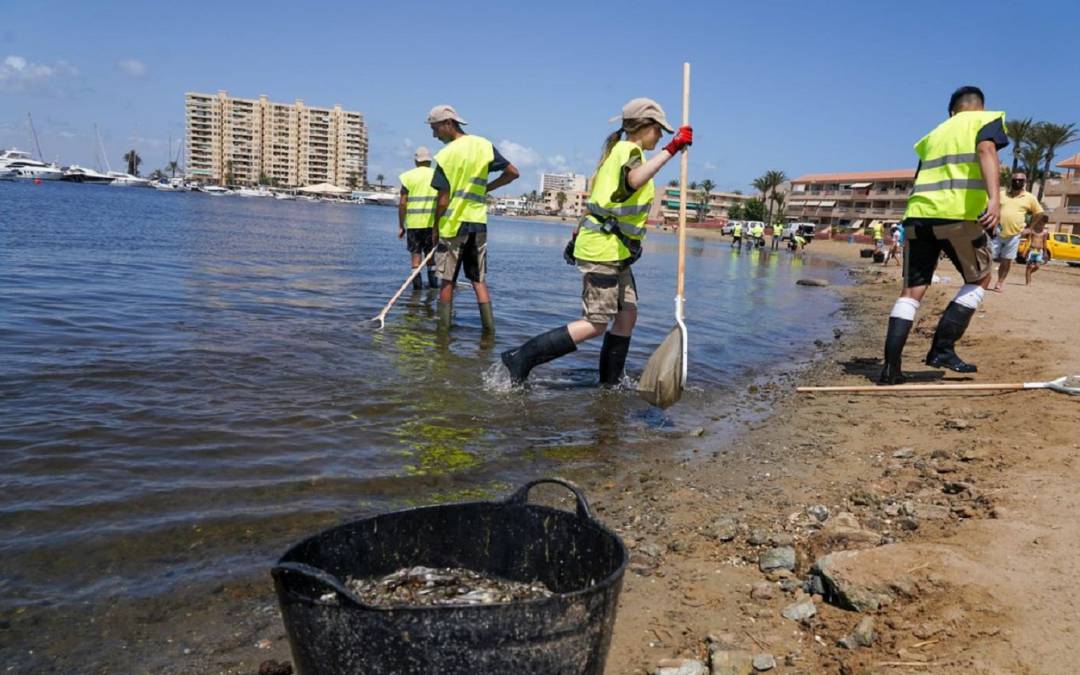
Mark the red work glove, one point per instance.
(683, 137)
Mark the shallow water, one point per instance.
(188, 383)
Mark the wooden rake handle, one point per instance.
(901, 388)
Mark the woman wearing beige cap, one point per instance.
(607, 242)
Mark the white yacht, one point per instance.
(26, 166)
(122, 179)
(376, 197)
(216, 190)
(81, 174)
(254, 192)
(284, 196)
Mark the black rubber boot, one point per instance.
(417, 282)
(613, 358)
(540, 349)
(895, 339)
(432, 280)
(954, 321)
(487, 318)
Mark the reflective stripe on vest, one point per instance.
(950, 184)
(421, 197)
(465, 161)
(595, 241)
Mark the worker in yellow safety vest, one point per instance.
(460, 233)
(736, 234)
(953, 206)
(607, 241)
(416, 214)
(777, 235)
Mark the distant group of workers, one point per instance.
(756, 236)
(443, 206)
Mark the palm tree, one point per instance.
(379, 178)
(707, 186)
(229, 177)
(767, 183)
(172, 167)
(1031, 157)
(673, 183)
(1019, 132)
(560, 199)
(133, 161)
(780, 198)
(1052, 137)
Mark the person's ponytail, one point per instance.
(609, 143)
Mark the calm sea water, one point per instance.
(188, 383)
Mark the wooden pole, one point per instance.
(901, 388)
(684, 170)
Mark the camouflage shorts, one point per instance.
(606, 290)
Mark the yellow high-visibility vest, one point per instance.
(950, 184)
(420, 202)
(596, 242)
(465, 162)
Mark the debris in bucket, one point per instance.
(428, 586)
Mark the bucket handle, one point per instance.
(583, 510)
(318, 575)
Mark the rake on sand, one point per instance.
(1070, 384)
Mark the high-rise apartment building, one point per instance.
(850, 200)
(249, 141)
(562, 182)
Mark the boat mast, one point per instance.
(101, 146)
(33, 132)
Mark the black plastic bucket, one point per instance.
(332, 632)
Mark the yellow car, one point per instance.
(1059, 246)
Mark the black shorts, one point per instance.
(418, 240)
(964, 242)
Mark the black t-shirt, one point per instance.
(991, 131)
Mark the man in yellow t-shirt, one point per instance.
(1016, 205)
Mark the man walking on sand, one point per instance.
(460, 233)
(954, 203)
(1016, 205)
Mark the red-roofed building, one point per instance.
(850, 200)
(1066, 217)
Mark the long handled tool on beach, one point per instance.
(1064, 385)
(664, 376)
(381, 316)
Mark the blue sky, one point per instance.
(799, 86)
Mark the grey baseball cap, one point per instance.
(422, 154)
(441, 113)
(644, 108)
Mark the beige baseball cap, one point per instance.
(422, 154)
(644, 108)
(441, 113)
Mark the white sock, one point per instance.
(905, 308)
(970, 296)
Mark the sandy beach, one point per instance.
(960, 512)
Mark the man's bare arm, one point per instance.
(509, 175)
(402, 206)
(991, 171)
(440, 208)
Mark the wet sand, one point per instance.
(986, 564)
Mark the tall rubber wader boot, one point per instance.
(613, 358)
(954, 321)
(417, 282)
(432, 280)
(487, 317)
(446, 315)
(540, 349)
(895, 339)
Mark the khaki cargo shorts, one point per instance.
(965, 243)
(467, 251)
(605, 290)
